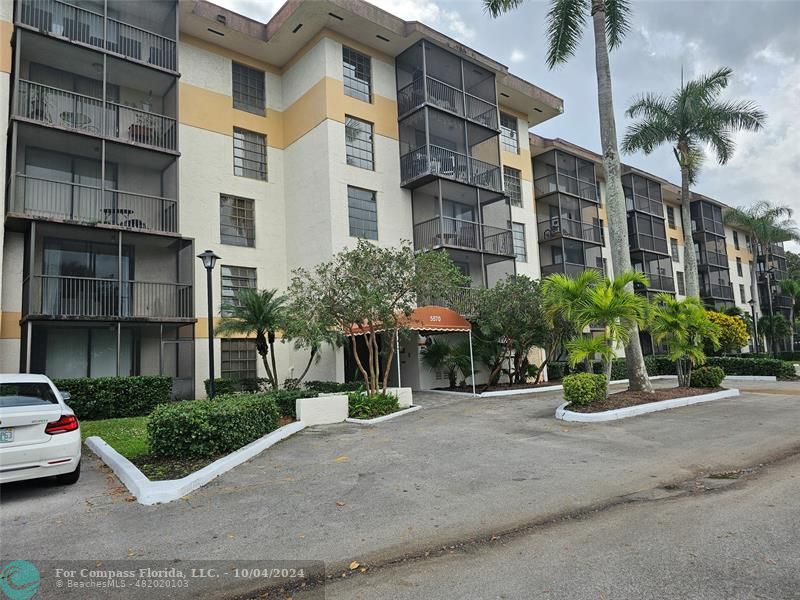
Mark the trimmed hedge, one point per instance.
(113, 397)
(334, 387)
(584, 388)
(205, 428)
(364, 406)
(752, 366)
(225, 385)
(706, 377)
(286, 400)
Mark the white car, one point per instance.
(39, 434)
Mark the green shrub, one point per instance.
(792, 356)
(753, 366)
(333, 387)
(286, 400)
(365, 406)
(113, 397)
(204, 428)
(584, 388)
(227, 385)
(706, 377)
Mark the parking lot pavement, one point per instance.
(461, 467)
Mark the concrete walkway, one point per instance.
(457, 469)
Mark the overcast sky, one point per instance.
(758, 39)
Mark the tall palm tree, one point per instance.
(566, 20)
(692, 118)
(259, 313)
(791, 287)
(767, 224)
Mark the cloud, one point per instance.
(517, 56)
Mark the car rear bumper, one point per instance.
(57, 456)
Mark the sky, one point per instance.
(758, 39)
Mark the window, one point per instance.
(741, 294)
(363, 211)
(739, 267)
(359, 142)
(735, 239)
(520, 249)
(673, 246)
(681, 283)
(509, 136)
(671, 216)
(249, 154)
(357, 74)
(511, 178)
(248, 89)
(238, 359)
(237, 221)
(235, 279)
(747, 240)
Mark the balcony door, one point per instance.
(459, 225)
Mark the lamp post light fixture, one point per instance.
(752, 304)
(209, 260)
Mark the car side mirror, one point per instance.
(65, 396)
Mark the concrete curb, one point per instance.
(631, 411)
(750, 378)
(376, 420)
(154, 492)
(538, 390)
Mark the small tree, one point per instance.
(452, 358)
(684, 326)
(512, 313)
(733, 333)
(370, 290)
(791, 287)
(774, 327)
(259, 313)
(307, 327)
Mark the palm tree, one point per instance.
(685, 327)
(791, 287)
(259, 313)
(452, 358)
(774, 327)
(693, 117)
(565, 23)
(767, 224)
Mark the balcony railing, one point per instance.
(707, 224)
(712, 290)
(48, 199)
(89, 297)
(549, 184)
(77, 112)
(662, 283)
(708, 258)
(435, 160)
(459, 233)
(86, 27)
(463, 300)
(556, 228)
(643, 241)
(568, 268)
(448, 98)
(781, 301)
(645, 205)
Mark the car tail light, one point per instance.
(63, 425)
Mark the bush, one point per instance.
(333, 387)
(792, 356)
(584, 388)
(706, 377)
(365, 406)
(205, 428)
(114, 397)
(226, 385)
(753, 366)
(733, 333)
(286, 400)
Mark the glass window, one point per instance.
(363, 211)
(673, 246)
(520, 248)
(357, 74)
(26, 394)
(735, 239)
(513, 185)
(741, 294)
(248, 89)
(249, 154)
(509, 136)
(681, 283)
(359, 143)
(238, 359)
(237, 221)
(739, 266)
(671, 217)
(235, 279)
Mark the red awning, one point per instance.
(426, 318)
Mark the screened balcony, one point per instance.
(657, 269)
(716, 285)
(642, 195)
(707, 218)
(570, 257)
(142, 30)
(564, 216)
(559, 172)
(646, 232)
(710, 251)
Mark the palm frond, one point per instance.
(647, 135)
(565, 22)
(585, 347)
(617, 25)
(495, 8)
(707, 87)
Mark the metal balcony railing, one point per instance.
(459, 233)
(435, 160)
(662, 283)
(52, 106)
(463, 300)
(63, 296)
(557, 228)
(642, 241)
(87, 27)
(708, 224)
(448, 98)
(645, 205)
(567, 268)
(48, 199)
(549, 184)
(708, 258)
(712, 290)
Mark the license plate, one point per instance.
(6, 435)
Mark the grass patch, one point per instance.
(128, 435)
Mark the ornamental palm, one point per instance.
(774, 327)
(690, 119)
(260, 313)
(791, 287)
(566, 20)
(452, 358)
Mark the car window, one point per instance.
(26, 394)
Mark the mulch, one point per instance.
(627, 398)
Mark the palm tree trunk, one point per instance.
(615, 200)
(275, 384)
(689, 257)
(754, 287)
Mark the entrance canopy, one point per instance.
(425, 318)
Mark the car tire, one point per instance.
(70, 478)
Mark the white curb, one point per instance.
(153, 492)
(640, 409)
(536, 390)
(750, 378)
(393, 415)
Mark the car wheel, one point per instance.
(70, 478)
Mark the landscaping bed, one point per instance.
(628, 398)
(480, 389)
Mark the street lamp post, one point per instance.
(770, 276)
(209, 260)
(752, 304)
